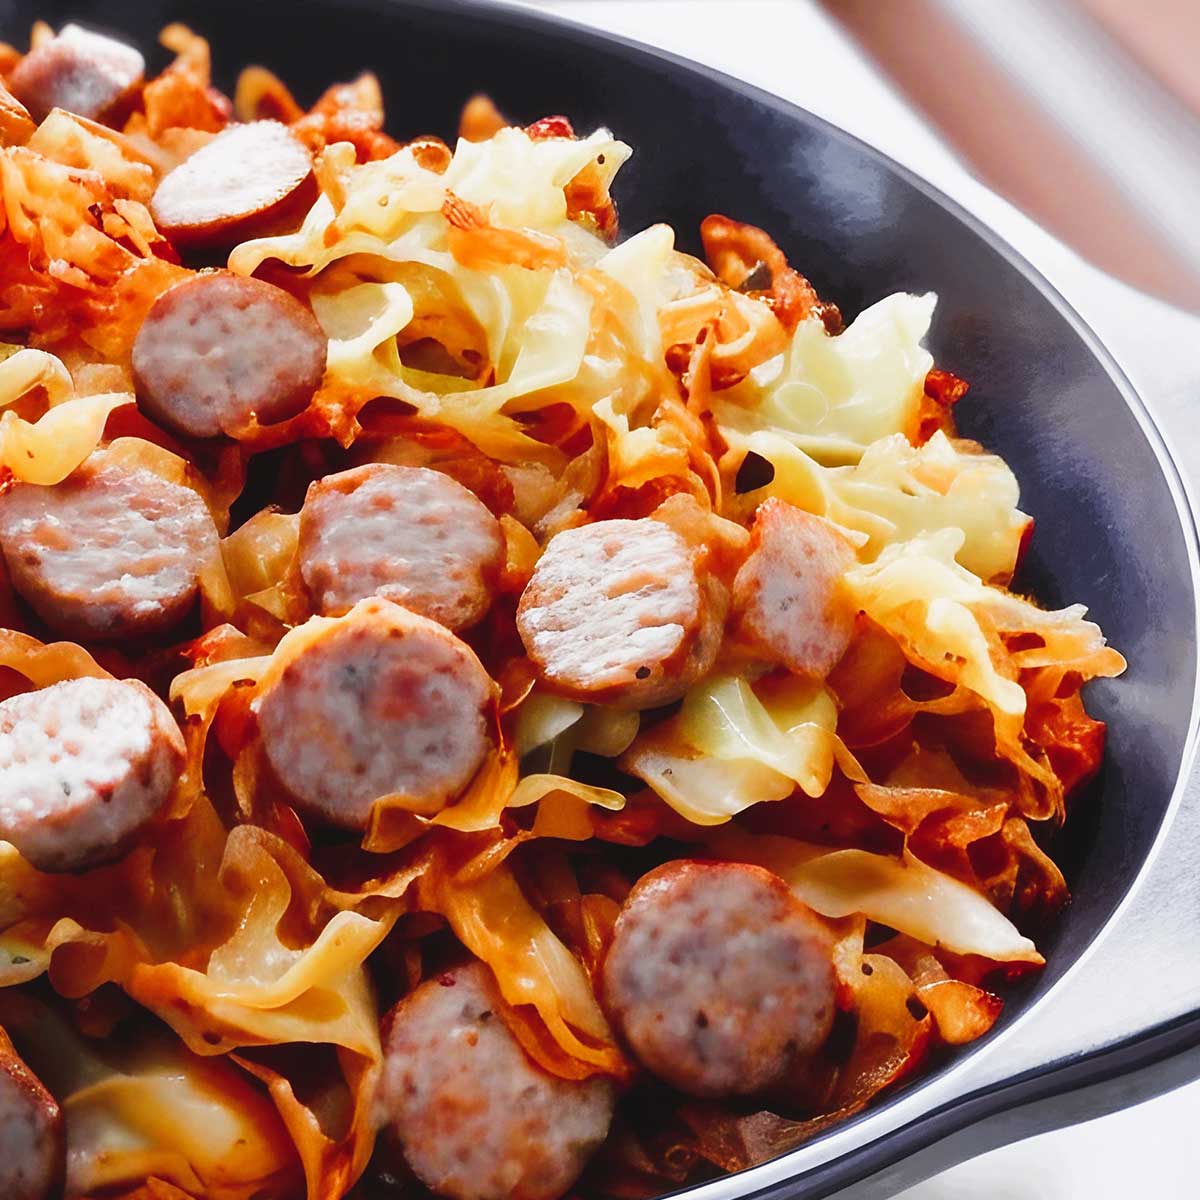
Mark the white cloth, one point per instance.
(794, 49)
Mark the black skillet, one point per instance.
(1115, 1017)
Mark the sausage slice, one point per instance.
(616, 613)
(787, 596)
(719, 979)
(84, 764)
(85, 73)
(32, 1145)
(220, 351)
(248, 181)
(474, 1117)
(380, 702)
(408, 534)
(113, 551)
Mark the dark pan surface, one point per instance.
(1108, 531)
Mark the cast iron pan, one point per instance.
(1116, 1014)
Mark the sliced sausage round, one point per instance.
(787, 596)
(112, 551)
(408, 534)
(250, 180)
(719, 979)
(380, 702)
(475, 1118)
(84, 764)
(85, 73)
(32, 1145)
(616, 613)
(219, 352)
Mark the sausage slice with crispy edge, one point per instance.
(220, 353)
(380, 702)
(787, 597)
(616, 612)
(32, 1145)
(84, 765)
(718, 978)
(474, 1117)
(407, 534)
(249, 181)
(112, 551)
(86, 73)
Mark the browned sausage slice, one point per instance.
(113, 551)
(248, 181)
(616, 613)
(787, 595)
(380, 702)
(84, 764)
(720, 980)
(32, 1147)
(219, 351)
(408, 534)
(85, 73)
(474, 1117)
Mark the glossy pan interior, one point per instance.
(1110, 533)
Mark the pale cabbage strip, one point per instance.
(257, 557)
(787, 729)
(201, 689)
(563, 805)
(730, 748)
(44, 664)
(22, 370)
(541, 719)
(255, 989)
(836, 395)
(492, 918)
(903, 893)
(942, 616)
(897, 492)
(153, 1109)
(641, 265)
(522, 178)
(47, 450)
(362, 322)
(918, 593)
(519, 178)
(561, 727)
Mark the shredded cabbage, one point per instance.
(494, 921)
(903, 893)
(896, 492)
(731, 748)
(834, 396)
(154, 1110)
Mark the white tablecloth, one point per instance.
(792, 48)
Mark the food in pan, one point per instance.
(488, 705)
